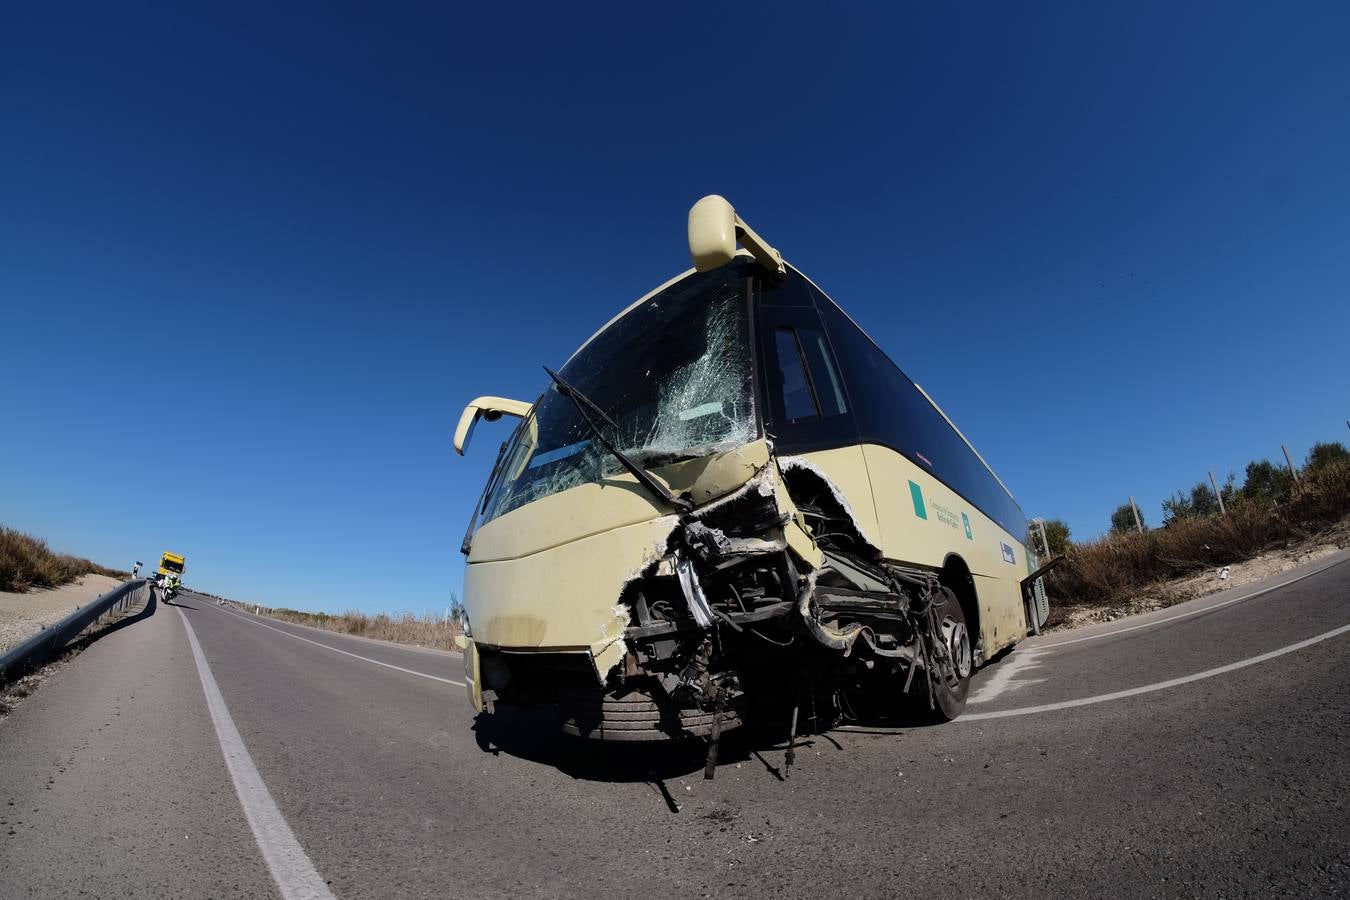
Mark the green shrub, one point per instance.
(1267, 482)
(1056, 534)
(1327, 453)
(1122, 520)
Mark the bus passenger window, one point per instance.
(829, 386)
(798, 402)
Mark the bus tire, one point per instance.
(951, 683)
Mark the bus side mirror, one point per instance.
(490, 408)
(714, 229)
(712, 233)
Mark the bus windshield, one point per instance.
(674, 376)
(171, 565)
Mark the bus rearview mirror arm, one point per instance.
(490, 408)
(714, 229)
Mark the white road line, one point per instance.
(291, 867)
(1187, 614)
(1159, 686)
(1002, 677)
(345, 653)
(413, 648)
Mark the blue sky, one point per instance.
(254, 261)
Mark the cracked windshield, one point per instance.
(673, 374)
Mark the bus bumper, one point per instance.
(472, 681)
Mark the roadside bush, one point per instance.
(27, 562)
(1267, 482)
(1326, 454)
(424, 630)
(1056, 535)
(1122, 520)
(1121, 563)
(1200, 501)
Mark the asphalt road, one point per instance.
(1203, 750)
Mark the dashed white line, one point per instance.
(345, 653)
(1159, 686)
(291, 868)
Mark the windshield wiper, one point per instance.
(644, 477)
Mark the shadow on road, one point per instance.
(535, 735)
(87, 639)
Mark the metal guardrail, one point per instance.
(53, 639)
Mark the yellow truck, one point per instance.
(171, 566)
(730, 503)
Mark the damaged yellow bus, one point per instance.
(730, 504)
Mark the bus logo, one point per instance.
(965, 520)
(916, 494)
(1008, 555)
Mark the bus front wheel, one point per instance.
(952, 669)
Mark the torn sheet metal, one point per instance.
(791, 463)
(706, 480)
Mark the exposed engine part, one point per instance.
(713, 546)
(791, 756)
(828, 637)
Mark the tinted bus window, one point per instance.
(892, 412)
(797, 400)
(824, 376)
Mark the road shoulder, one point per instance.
(1189, 608)
(244, 609)
(113, 768)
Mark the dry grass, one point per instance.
(1105, 571)
(27, 562)
(12, 693)
(425, 630)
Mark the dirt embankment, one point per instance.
(24, 615)
(1179, 590)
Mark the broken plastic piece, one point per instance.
(693, 591)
